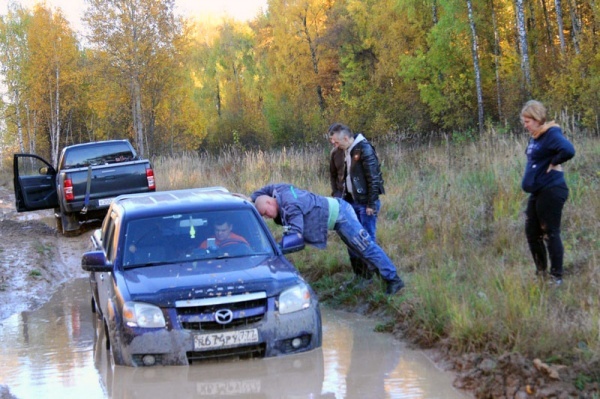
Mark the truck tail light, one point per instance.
(150, 177)
(68, 189)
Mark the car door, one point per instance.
(35, 183)
(103, 282)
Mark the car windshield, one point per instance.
(186, 237)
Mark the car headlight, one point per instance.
(136, 314)
(294, 299)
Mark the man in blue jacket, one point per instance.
(307, 217)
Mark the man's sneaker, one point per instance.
(346, 284)
(356, 282)
(555, 281)
(363, 283)
(394, 285)
(540, 274)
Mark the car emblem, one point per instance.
(223, 316)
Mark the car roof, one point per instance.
(94, 143)
(168, 202)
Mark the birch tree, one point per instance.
(496, 51)
(135, 35)
(52, 73)
(523, 46)
(475, 55)
(559, 22)
(13, 56)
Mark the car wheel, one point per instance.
(113, 348)
(93, 305)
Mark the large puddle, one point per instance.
(53, 353)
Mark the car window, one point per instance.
(192, 236)
(31, 166)
(97, 154)
(108, 236)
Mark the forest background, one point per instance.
(388, 68)
(240, 104)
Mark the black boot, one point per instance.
(361, 269)
(394, 285)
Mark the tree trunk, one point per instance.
(550, 45)
(576, 25)
(56, 118)
(559, 22)
(475, 55)
(136, 104)
(315, 62)
(17, 103)
(497, 61)
(522, 34)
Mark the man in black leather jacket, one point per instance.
(363, 183)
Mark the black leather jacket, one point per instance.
(367, 181)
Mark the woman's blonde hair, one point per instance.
(535, 110)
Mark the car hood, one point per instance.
(165, 284)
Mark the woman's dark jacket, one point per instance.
(550, 148)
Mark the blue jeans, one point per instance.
(360, 242)
(367, 221)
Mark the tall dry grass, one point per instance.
(452, 220)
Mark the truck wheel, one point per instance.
(63, 221)
(59, 227)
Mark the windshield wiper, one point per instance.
(147, 264)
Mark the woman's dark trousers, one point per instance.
(542, 228)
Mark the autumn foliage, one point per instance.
(173, 84)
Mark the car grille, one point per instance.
(199, 315)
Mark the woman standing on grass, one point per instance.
(544, 180)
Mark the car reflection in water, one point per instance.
(294, 376)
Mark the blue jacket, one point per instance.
(300, 211)
(550, 148)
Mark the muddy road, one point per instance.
(34, 258)
(44, 294)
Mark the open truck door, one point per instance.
(35, 183)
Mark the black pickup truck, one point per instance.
(88, 176)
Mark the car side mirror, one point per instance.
(291, 243)
(95, 261)
(47, 170)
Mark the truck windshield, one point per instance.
(96, 154)
(185, 237)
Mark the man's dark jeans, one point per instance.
(542, 225)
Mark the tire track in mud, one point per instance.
(35, 260)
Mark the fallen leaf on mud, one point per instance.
(530, 390)
(551, 371)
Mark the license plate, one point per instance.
(220, 340)
(104, 202)
(233, 387)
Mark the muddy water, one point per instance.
(53, 352)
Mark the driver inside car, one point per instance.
(224, 236)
